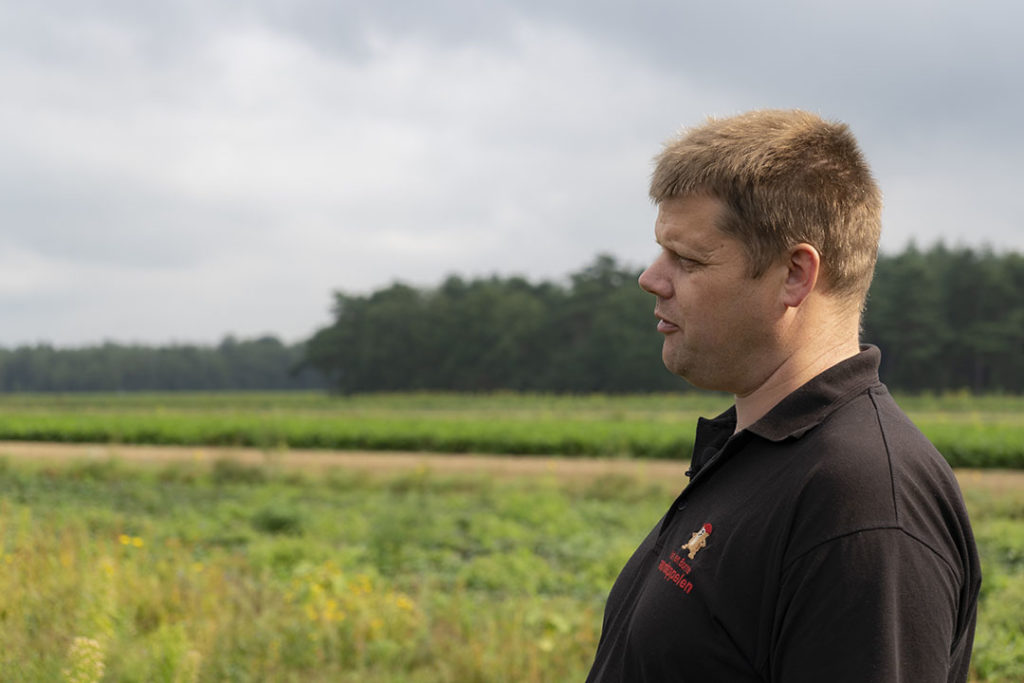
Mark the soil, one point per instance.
(670, 473)
(374, 462)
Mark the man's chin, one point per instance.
(688, 370)
(674, 364)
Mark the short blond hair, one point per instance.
(786, 177)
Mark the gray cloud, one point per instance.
(185, 170)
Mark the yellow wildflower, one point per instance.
(361, 585)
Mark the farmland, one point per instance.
(223, 571)
(969, 431)
(294, 565)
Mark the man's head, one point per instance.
(768, 225)
(785, 178)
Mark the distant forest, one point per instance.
(265, 363)
(945, 319)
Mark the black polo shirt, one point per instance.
(827, 542)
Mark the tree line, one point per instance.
(263, 363)
(949, 319)
(945, 319)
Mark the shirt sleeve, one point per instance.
(874, 605)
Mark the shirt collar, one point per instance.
(712, 434)
(809, 405)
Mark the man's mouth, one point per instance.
(665, 326)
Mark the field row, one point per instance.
(965, 440)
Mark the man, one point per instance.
(821, 536)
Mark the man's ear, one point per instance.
(803, 263)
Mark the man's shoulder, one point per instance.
(869, 426)
(872, 468)
(846, 484)
(872, 436)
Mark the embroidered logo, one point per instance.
(676, 569)
(698, 540)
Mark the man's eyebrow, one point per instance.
(687, 249)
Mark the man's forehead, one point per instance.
(691, 221)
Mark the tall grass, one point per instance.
(240, 573)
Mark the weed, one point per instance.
(278, 518)
(228, 471)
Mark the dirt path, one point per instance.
(383, 462)
(671, 473)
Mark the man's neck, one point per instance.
(790, 374)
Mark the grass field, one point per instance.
(226, 572)
(206, 569)
(970, 431)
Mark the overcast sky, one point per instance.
(177, 171)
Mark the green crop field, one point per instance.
(985, 431)
(222, 572)
(184, 572)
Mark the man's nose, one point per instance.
(654, 282)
